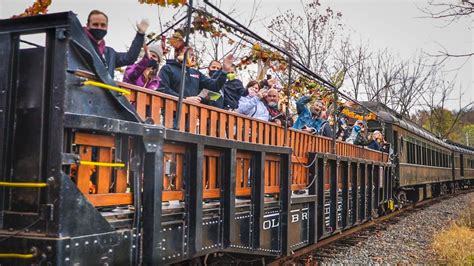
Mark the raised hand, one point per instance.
(227, 64)
(142, 26)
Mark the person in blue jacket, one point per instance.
(96, 29)
(195, 81)
(309, 119)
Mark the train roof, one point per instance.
(390, 116)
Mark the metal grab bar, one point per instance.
(105, 86)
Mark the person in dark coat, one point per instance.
(377, 142)
(232, 90)
(276, 115)
(195, 81)
(144, 73)
(96, 29)
(214, 69)
(343, 130)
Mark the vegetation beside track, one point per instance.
(455, 245)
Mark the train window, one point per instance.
(425, 156)
(409, 153)
(414, 153)
(429, 156)
(432, 157)
(418, 154)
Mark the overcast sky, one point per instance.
(393, 24)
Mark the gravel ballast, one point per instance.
(405, 239)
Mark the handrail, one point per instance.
(16, 256)
(202, 119)
(23, 184)
(134, 88)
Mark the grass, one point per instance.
(455, 245)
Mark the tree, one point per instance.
(415, 78)
(444, 123)
(467, 136)
(354, 60)
(383, 75)
(450, 12)
(309, 37)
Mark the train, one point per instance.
(426, 165)
(86, 179)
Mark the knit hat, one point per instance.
(156, 48)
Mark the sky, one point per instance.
(393, 24)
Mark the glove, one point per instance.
(142, 26)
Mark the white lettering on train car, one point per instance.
(275, 222)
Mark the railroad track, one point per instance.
(347, 238)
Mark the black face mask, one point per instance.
(98, 34)
(212, 72)
(152, 63)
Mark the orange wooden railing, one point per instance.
(101, 192)
(210, 121)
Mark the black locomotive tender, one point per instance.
(53, 125)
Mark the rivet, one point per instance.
(77, 244)
(110, 250)
(66, 259)
(67, 246)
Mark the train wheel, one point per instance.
(402, 199)
(444, 189)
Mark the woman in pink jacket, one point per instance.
(144, 72)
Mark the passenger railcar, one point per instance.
(425, 164)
